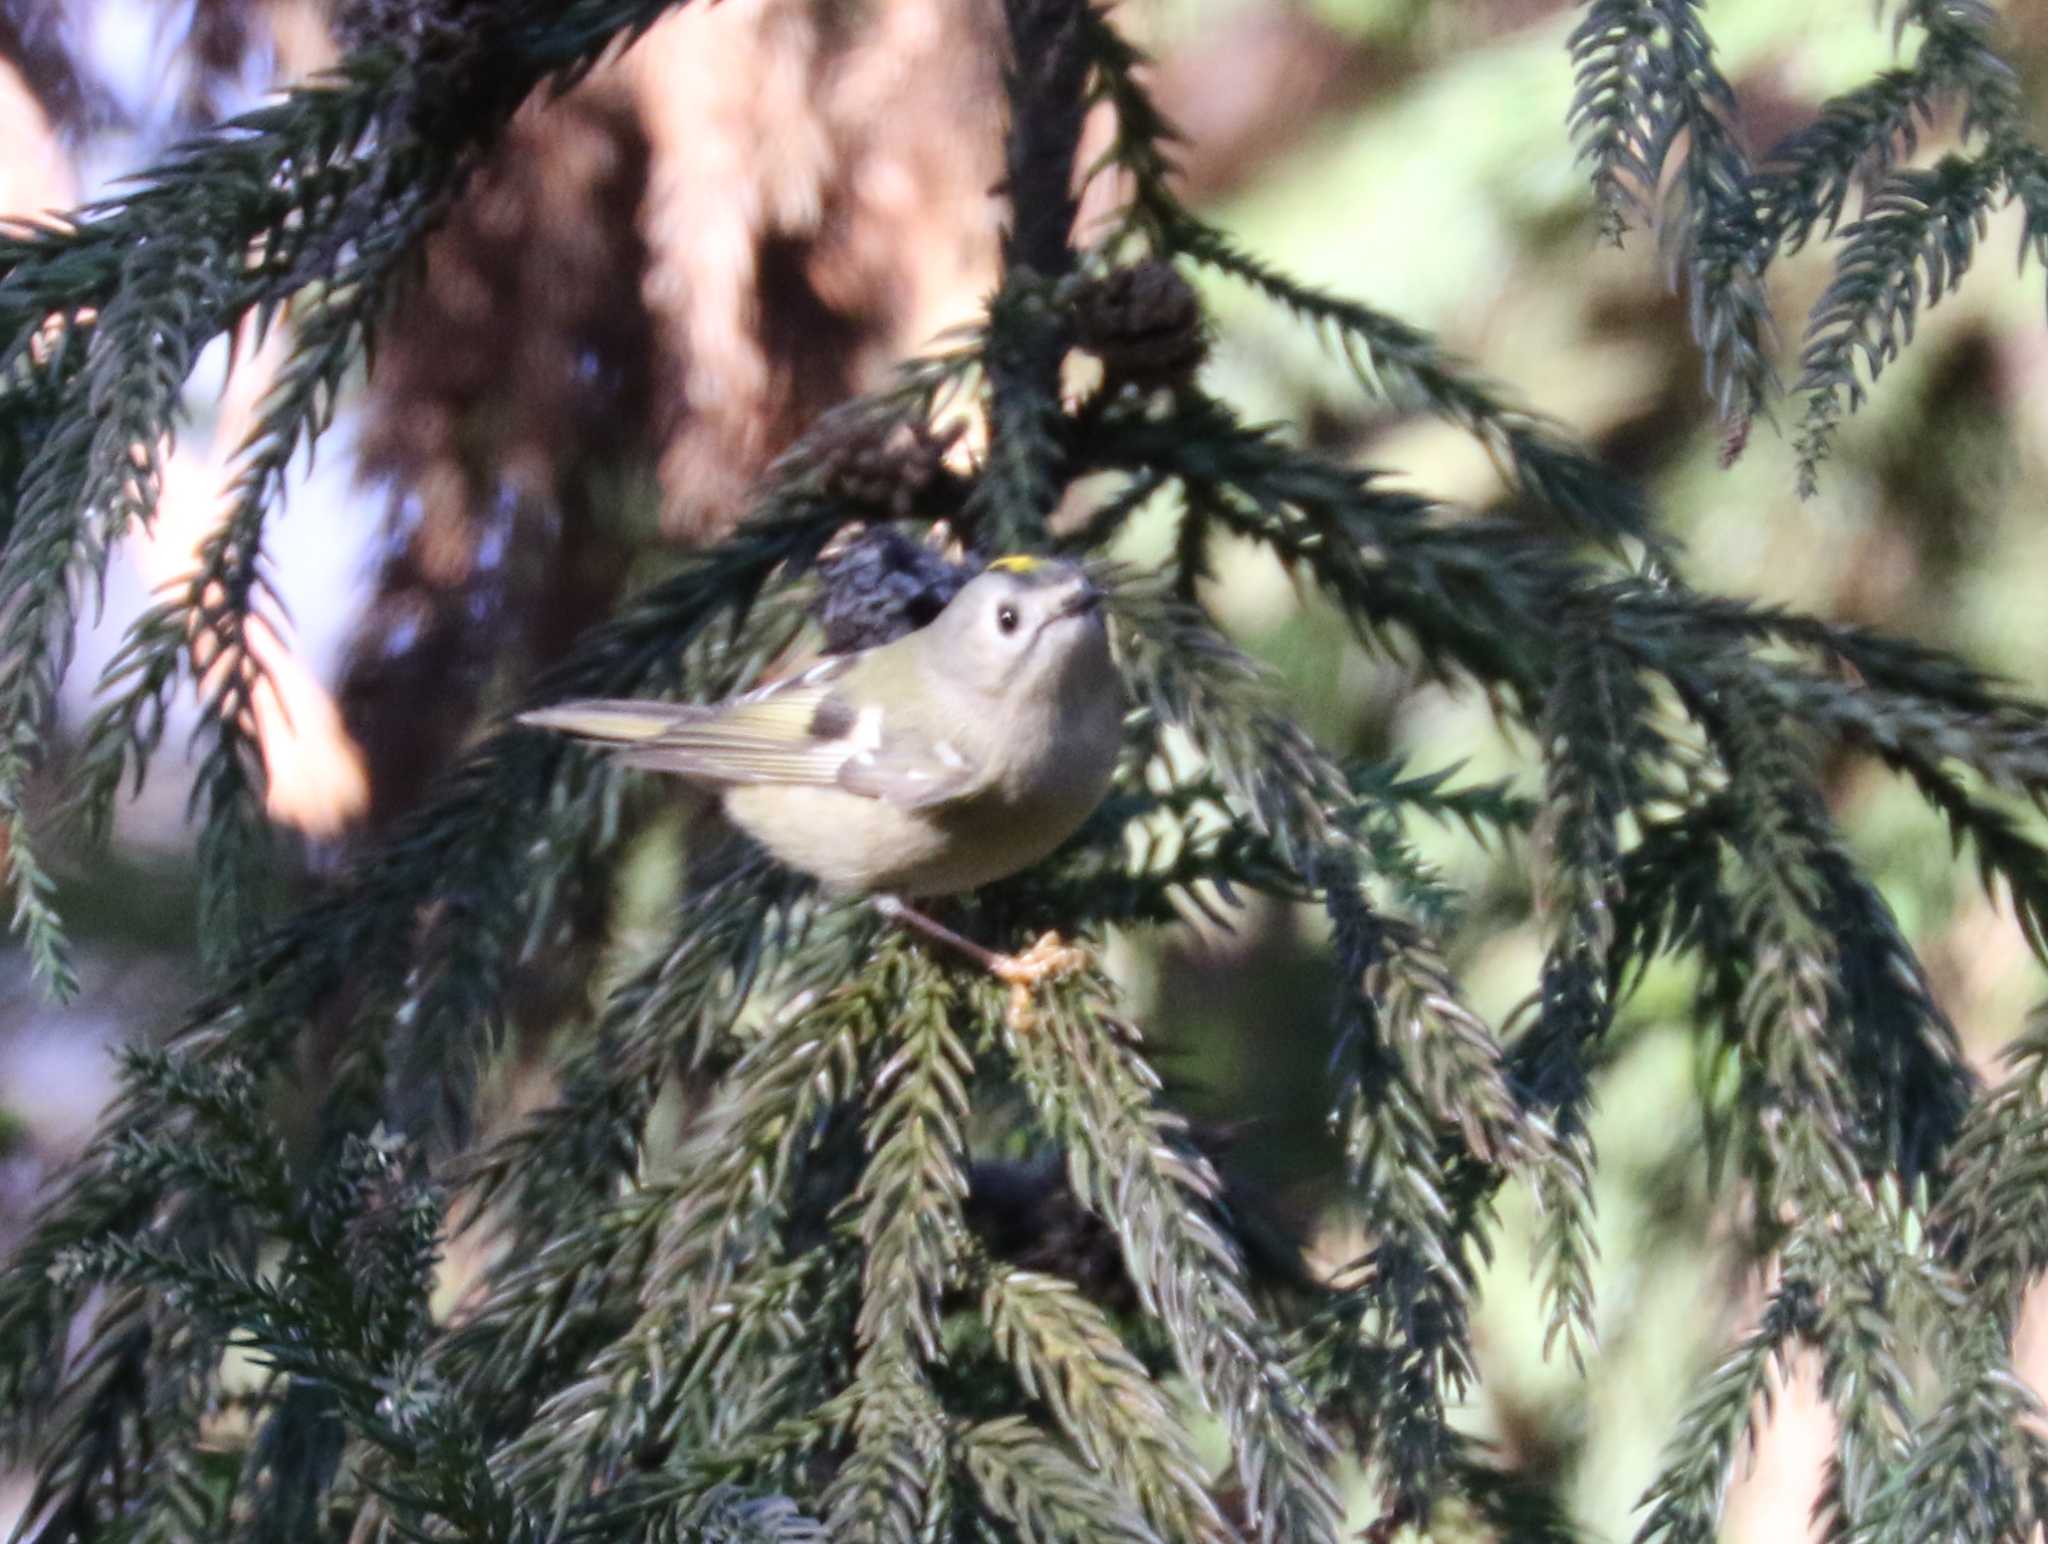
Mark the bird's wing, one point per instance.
(798, 731)
(910, 772)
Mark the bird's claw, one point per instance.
(1050, 958)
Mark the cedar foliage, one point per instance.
(800, 1324)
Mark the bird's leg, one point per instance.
(899, 911)
(1046, 960)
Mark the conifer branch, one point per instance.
(1596, 748)
(207, 632)
(1912, 245)
(1978, 1464)
(1392, 360)
(674, 1016)
(1131, 1164)
(1030, 1484)
(911, 1194)
(1857, 140)
(1646, 79)
(1407, 368)
(733, 1182)
(1421, 1193)
(1996, 1191)
(1046, 75)
(1683, 1504)
(333, 185)
(1067, 1354)
(893, 1485)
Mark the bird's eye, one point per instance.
(1006, 618)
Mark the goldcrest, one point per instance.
(953, 756)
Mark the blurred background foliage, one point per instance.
(657, 281)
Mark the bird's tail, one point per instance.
(612, 721)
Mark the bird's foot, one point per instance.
(1046, 960)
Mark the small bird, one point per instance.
(953, 756)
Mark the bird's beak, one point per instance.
(1087, 596)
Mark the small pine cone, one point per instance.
(456, 49)
(877, 585)
(424, 26)
(889, 472)
(1142, 322)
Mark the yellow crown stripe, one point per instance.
(1018, 563)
